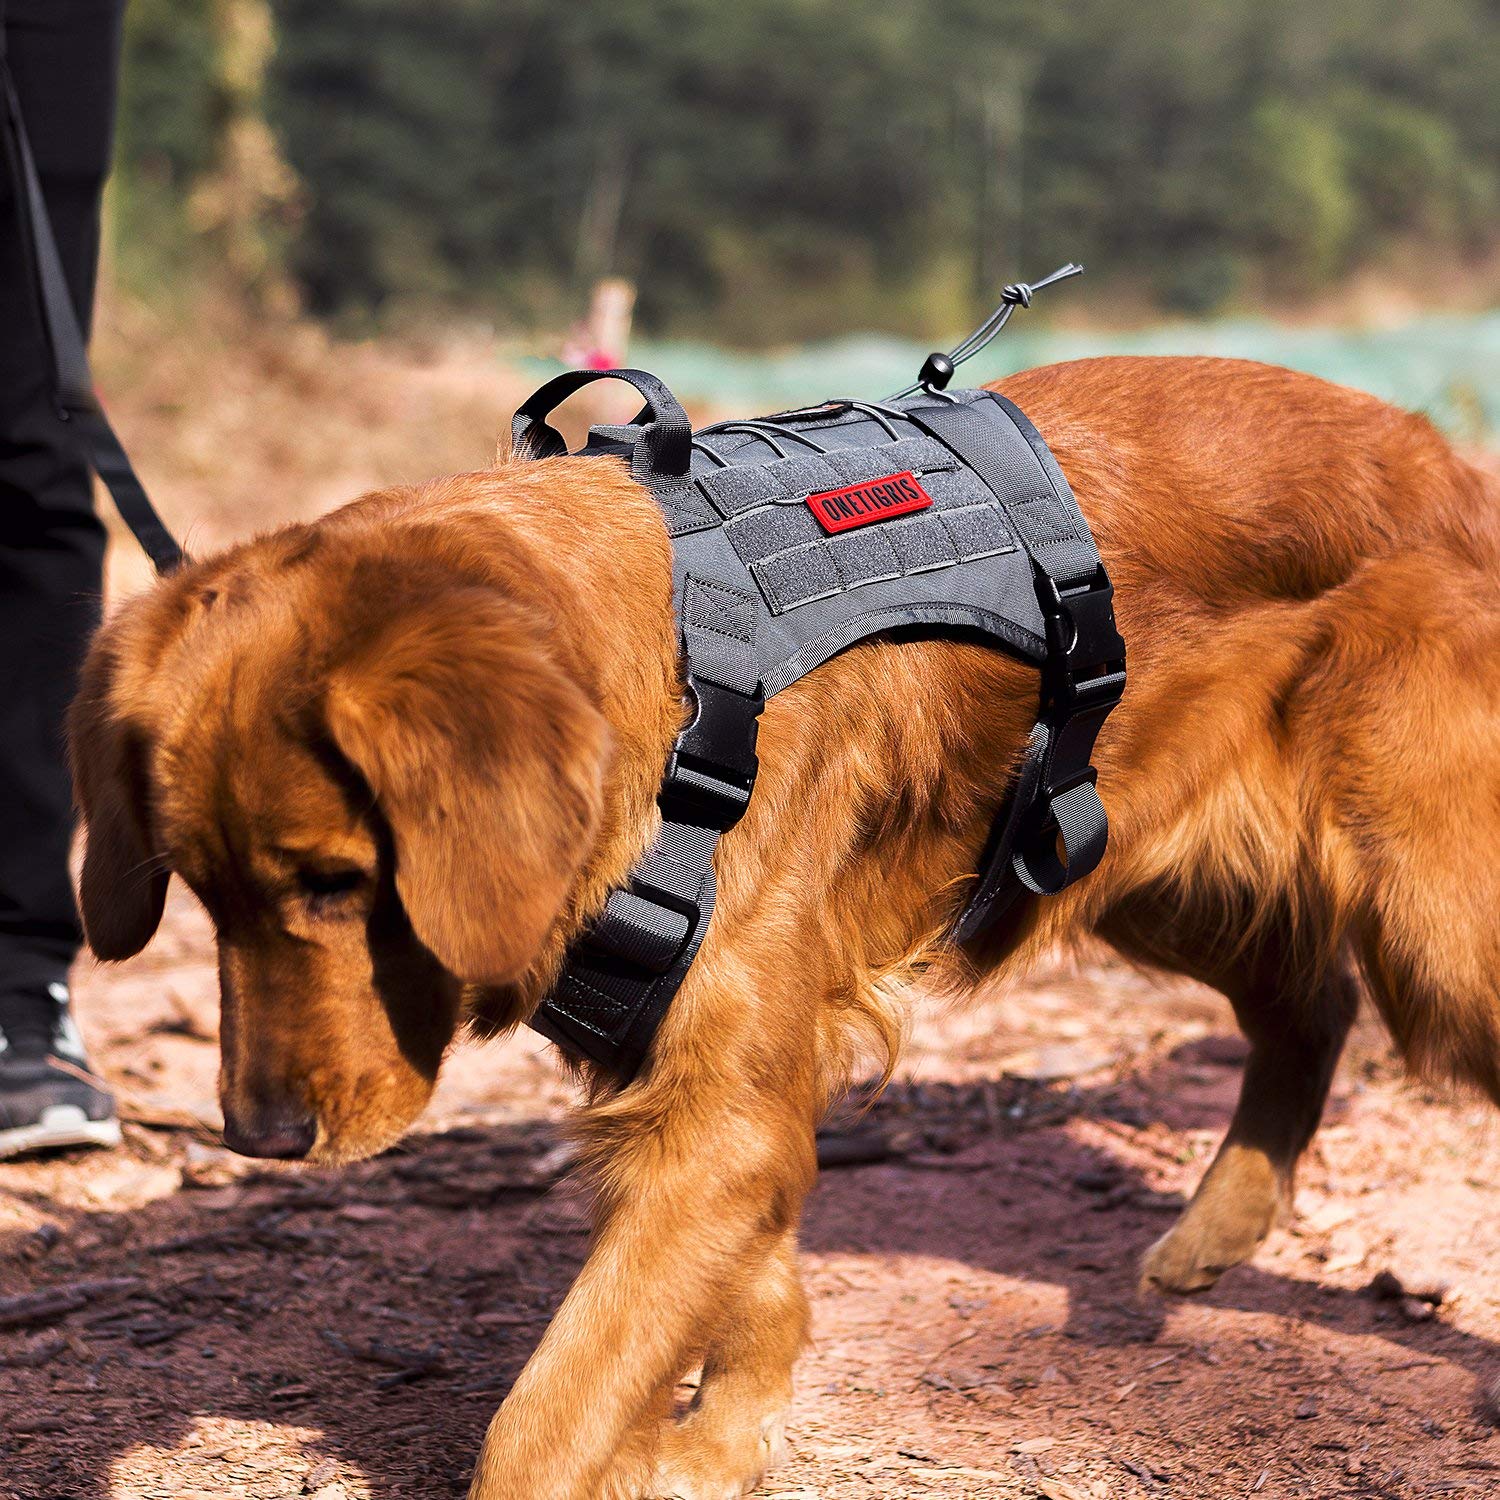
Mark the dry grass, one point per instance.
(236, 427)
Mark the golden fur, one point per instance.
(403, 753)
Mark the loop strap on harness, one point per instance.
(76, 399)
(665, 443)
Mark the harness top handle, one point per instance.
(664, 448)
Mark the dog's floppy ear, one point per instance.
(487, 763)
(124, 882)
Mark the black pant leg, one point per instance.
(64, 57)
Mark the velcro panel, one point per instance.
(978, 531)
(797, 577)
(854, 465)
(953, 487)
(736, 489)
(864, 556)
(921, 544)
(772, 528)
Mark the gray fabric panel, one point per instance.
(718, 629)
(773, 528)
(793, 578)
(953, 487)
(920, 544)
(687, 510)
(978, 531)
(797, 477)
(864, 556)
(804, 476)
(710, 605)
(853, 465)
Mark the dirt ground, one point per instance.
(176, 1322)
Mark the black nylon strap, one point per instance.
(618, 982)
(619, 979)
(665, 443)
(1054, 796)
(1047, 520)
(77, 402)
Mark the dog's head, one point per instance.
(376, 774)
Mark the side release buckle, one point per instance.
(1083, 678)
(1085, 667)
(713, 765)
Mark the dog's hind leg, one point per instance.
(735, 1430)
(1295, 1011)
(1295, 1041)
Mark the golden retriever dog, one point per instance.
(402, 754)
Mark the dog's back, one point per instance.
(1309, 580)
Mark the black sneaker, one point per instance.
(43, 1105)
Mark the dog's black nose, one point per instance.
(277, 1135)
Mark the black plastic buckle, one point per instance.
(713, 765)
(1085, 667)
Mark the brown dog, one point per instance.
(403, 753)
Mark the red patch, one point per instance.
(874, 500)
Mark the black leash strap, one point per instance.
(76, 400)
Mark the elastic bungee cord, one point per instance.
(937, 370)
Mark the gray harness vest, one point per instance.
(793, 537)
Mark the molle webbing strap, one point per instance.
(76, 400)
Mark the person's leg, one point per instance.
(63, 56)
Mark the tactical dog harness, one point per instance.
(793, 537)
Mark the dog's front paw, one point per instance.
(720, 1458)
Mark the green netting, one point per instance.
(1448, 367)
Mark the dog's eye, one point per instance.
(324, 888)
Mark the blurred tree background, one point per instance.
(795, 168)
